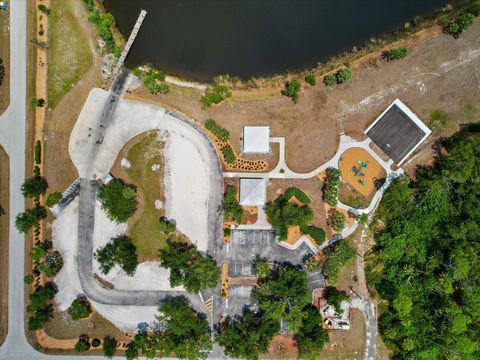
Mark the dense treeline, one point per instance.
(427, 261)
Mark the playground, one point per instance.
(360, 171)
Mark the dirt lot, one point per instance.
(439, 74)
(4, 228)
(5, 56)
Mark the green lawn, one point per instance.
(69, 55)
(143, 229)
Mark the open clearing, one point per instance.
(4, 230)
(69, 55)
(5, 56)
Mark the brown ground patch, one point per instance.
(250, 215)
(294, 234)
(4, 239)
(282, 347)
(353, 173)
(5, 56)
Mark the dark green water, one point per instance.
(199, 39)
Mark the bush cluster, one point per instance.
(215, 94)
(53, 199)
(228, 154)
(221, 133)
(318, 234)
(463, 20)
(292, 90)
(310, 78)
(40, 307)
(80, 308)
(232, 210)
(338, 220)
(154, 80)
(395, 54)
(332, 186)
(52, 263)
(104, 24)
(340, 77)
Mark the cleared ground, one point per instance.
(5, 56)
(4, 228)
(69, 55)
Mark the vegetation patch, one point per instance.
(338, 255)
(69, 55)
(221, 133)
(318, 234)
(53, 199)
(292, 90)
(310, 79)
(232, 210)
(215, 94)
(229, 155)
(188, 267)
(118, 200)
(80, 308)
(395, 54)
(463, 20)
(340, 77)
(332, 186)
(154, 80)
(426, 261)
(119, 251)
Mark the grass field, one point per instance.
(145, 154)
(69, 55)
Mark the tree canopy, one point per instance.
(311, 337)
(426, 262)
(119, 251)
(118, 200)
(34, 187)
(188, 267)
(80, 308)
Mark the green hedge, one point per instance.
(315, 232)
(220, 132)
(38, 152)
(299, 194)
(229, 155)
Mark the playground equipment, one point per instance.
(363, 183)
(3, 5)
(358, 171)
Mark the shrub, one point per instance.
(229, 155)
(96, 342)
(38, 152)
(338, 255)
(166, 226)
(36, 102)
(28, 279)
(318, 234)
(221, 133)
(395, 54)
(332, 186)
(330, 80)
(154, 86)
(227, 232)
(339, 77)
(52, 264)
(34, 187)
(119, 251)
(103, 23)
(310, 78)
(338, 220)
(83, 344)
(215, 94)
(109, 346)
(460, 24)
(80, 308)
(26, 220)
(292, 89)
(53, 199)
(118, 200)
(232, 209)
(474, 8)
(299, 195)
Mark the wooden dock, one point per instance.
(129, 43)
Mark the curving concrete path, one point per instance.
(95, 142)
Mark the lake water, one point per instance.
(199, 39)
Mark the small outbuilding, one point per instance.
(398, 132)
(256, 139)
(253, 192)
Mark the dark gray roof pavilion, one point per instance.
(398, 132)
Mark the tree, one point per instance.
(335, 298)
(38, 102)
(311, 337)
(118, 200)
(40, 317)
(52, 264)
(283, 295)
(34, 187)
(187, 332)
(119, 251)
(247, 336)
(41, 296)
(166, 226)
(83, 343)
(292, 89)
(53, 199)
(188, 267)
(26, 220)
(109, 346)
(338, 255)
(338, 220)
(232, 209)
(80, 308)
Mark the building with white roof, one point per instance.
(256, 139)
(253, 192)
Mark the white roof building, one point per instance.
(253, 192)
(256, 139)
